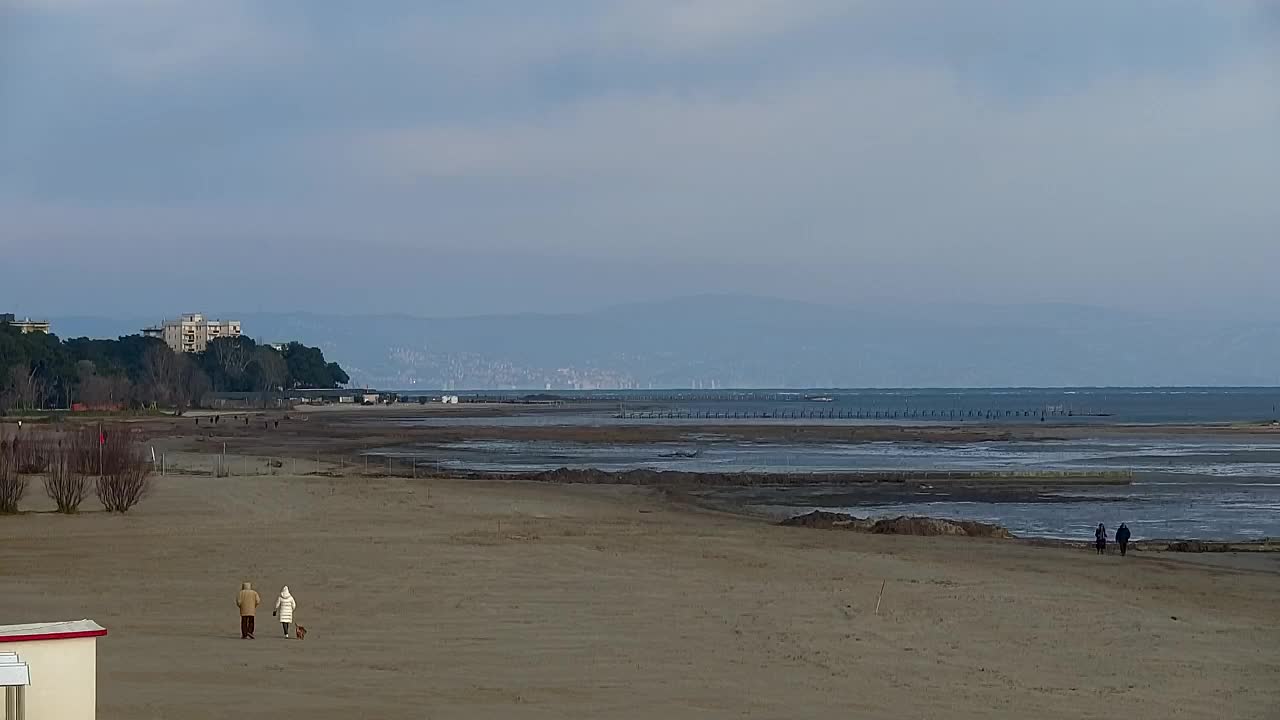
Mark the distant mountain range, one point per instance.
(746, 341)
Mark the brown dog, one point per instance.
(301, 632)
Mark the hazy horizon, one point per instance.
(462, 159)
(752, 341)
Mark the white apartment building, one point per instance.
(26, 325)
(192, 332)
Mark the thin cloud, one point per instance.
(144, 41)
(708, 25)
(929, 141)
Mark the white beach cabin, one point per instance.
(50, 670)
(15, 676)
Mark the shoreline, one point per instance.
(1163, 546)
(853, 478)
(341, 442)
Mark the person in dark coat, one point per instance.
(1122, 538)
(1100, 539)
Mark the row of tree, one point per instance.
(120, 469)
(39, 371)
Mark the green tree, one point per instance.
(308, 369)
(39, 371)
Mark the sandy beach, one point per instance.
(457, 599)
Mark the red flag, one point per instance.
(102, 438)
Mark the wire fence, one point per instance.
(229, 464)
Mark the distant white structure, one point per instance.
(15, 678)
(25, 325)
(50, 670)
(192, 333)
(449, 399)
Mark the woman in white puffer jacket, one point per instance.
(284, 608)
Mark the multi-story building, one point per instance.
(192, 332)
(26, 325)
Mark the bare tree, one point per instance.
(125, 472)
(25, 385)
(94, 391)
(159, 375)
(30, 453)
(232, 355)
(13, 484)
(102, 391)
(190, 384)
(67, 482)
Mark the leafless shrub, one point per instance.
(32, 453)
(125, 475)
(13, 484)
(82, 452)
(67, 481)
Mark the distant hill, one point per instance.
(746, 341)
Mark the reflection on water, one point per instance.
(1205, 488)
(1211, 457)
(1208, 510)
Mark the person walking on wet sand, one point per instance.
(1122, 538)
(248, 601)
(1100, 539)
(284, 608)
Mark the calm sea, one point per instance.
(1056, 405)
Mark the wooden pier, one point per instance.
(835, 413)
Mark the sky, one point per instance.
(454, 157)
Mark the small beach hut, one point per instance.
(53, 668)
(15, 676)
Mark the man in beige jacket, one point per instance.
(248, 601)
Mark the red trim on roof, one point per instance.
(53, 636)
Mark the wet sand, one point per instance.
(344, 433)
(476, 599)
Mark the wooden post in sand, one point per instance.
(881, 595)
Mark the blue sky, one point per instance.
(458, 157)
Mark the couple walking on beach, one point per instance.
(1122, 539)
(249, 600)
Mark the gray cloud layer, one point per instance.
(1114, 153)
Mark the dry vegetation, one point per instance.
(13, 484)
(68, 460)
(124, 475)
